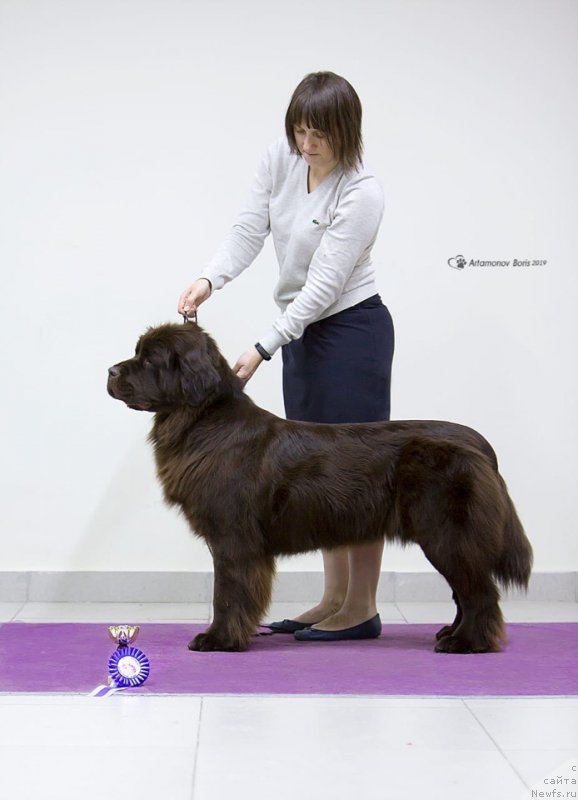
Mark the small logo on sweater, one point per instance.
(315, 222)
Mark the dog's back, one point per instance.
(440, 430)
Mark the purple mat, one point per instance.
(540, 659)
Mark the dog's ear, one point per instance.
(198, 373)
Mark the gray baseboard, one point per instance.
(197, 587)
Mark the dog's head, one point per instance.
(173, 366)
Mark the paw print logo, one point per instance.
(457, 262)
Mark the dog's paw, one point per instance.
(454, 644)
(211, 641)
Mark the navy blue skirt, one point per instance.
(340, 369)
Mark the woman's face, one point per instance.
(314, 147)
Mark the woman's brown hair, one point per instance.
(327, 102)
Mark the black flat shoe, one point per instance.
(366, 630)
(288, 626)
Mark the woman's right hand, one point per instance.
(197, 293)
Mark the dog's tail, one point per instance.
(515, 563)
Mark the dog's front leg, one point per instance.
(241, 596)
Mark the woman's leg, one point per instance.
(336, 574)
(359, 604)
(351, 574)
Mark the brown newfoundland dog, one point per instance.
(255, 486)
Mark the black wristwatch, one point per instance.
(262, 352)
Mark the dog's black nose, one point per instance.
(114, 372)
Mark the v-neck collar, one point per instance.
(333, 172)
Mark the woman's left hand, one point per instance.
(247, 364)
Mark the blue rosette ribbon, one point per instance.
(128, 666)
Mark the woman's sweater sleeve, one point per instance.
(245, 240)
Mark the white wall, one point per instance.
(129, 135)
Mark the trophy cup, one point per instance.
(128, 666)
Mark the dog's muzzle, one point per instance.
(123, 393)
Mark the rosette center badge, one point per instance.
(128, 666)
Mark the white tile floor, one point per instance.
(327, 748)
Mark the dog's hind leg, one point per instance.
(479, 625)
(241, 596)
(481, 629)
(449, 502)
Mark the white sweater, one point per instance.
(322, 239)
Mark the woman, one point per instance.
(324, 208)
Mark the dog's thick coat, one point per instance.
(255, 486)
